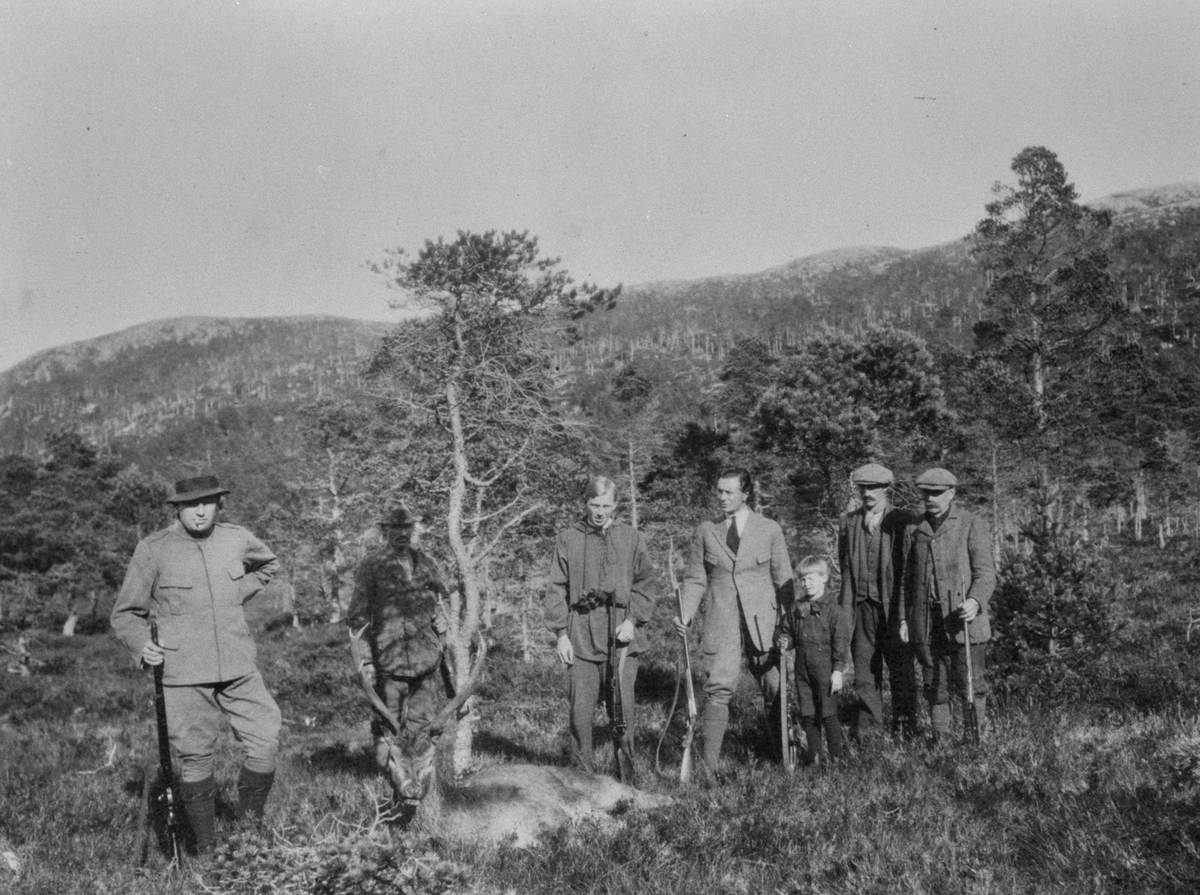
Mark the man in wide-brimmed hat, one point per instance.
(192, 578)
(398, 594)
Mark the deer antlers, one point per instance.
(362, 664)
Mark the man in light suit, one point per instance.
(741, 561)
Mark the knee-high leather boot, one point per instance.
(253, 789)
(199, 801)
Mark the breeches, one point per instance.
(196, 715)
(722, 665)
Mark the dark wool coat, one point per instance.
(945, 569)
(614, 561)
(853, 541)
(396, 592)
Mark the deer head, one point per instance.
(410, 764)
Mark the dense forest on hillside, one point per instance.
(801, 373)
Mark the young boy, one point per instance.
(820, 629)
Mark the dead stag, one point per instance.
(513, 803)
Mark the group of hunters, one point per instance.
(914, 592)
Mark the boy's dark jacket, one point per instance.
(821, 626)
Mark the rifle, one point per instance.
(622, 744)
(166, 776)
(971, 718)
(686, 764)
(786, 749)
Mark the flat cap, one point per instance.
(936, 479)
(871, 474)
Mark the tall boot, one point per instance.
(812, 739)
(199, 801)
(833, 738)
(714, 722)
(253, 789)
(939, 722)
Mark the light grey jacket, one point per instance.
(195, 587)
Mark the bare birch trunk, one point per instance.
(464, 615)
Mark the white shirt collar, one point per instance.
(742, 514)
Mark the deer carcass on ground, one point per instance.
(498, 803)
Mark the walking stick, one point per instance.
(971, 717)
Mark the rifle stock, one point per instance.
(687, 763)
(622, 746)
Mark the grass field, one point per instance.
(1088, 782)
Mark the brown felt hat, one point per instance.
(395, 515)
(187, 490)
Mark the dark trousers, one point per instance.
(872, 647)
(944, 668)
(415, 700)
(584, 682)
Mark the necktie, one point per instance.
(731, 539)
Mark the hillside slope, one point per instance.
(137, 384)
(936, 292)
(137, 381)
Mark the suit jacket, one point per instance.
(944, 570)
(852, 543)
(757, 579)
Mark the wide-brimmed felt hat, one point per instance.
(187, 490)
(397, 514)
(936, 479)
(871, 474)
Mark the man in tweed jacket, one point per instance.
(741, 561)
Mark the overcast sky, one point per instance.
(166, 158)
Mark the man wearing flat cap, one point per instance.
(398, 592)
(871, 558)
(193, 578)
(948, 581)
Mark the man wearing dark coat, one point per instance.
(398, 593)
(871, 559)
(948, 582)
(599, 590)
